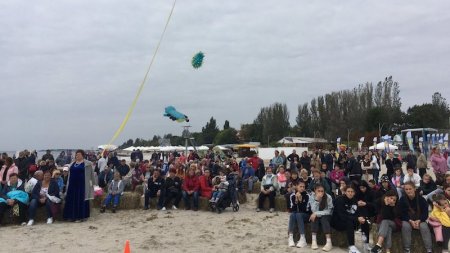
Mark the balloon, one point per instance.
(197, 60)
(175, 115)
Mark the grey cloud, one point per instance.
(71, 69)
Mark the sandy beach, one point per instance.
(158, 231)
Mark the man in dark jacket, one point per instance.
(305, 161)
(172, 189)
(123, 168)
(105, 177)
(389, 165)
(48, 156)
(353, 170)
(292, 156)
(155, 186)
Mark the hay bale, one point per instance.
(256, 187)
(139, 189)
(416, 241)
(129, 200)
(280, 203)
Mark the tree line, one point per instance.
(367, 110)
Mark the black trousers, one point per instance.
(349, 227)
(262, 197)
(168, 196)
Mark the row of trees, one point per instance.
(362, 111)
(210, 134)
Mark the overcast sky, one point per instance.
(70, 69)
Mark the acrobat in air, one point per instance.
(175, 115)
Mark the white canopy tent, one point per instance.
(382, 146)
(108, 147)
(166, 148)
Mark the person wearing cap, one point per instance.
(65, 175)
(57, 177)
(385, 186)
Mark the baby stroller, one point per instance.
(229, 198)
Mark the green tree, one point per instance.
(226, 136)
(251, 132)
(274, 121)
(226, 125)
(210, 131)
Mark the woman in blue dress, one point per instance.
(80, 189)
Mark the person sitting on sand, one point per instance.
(115, 191)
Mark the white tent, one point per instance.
(130, 148)
(108, 147)
(220, 147)
(381, 146)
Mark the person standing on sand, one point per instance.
(80, 189)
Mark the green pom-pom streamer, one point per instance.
(197, 60)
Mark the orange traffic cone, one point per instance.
(127, 247)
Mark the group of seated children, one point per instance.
(359, 205)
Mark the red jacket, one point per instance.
(254, 161)
(191, 183)
(206, 187)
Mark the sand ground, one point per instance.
(158, 231)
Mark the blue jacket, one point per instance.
(7, 188)
(247, 172)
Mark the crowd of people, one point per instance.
(346, 192)
(327, 189)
